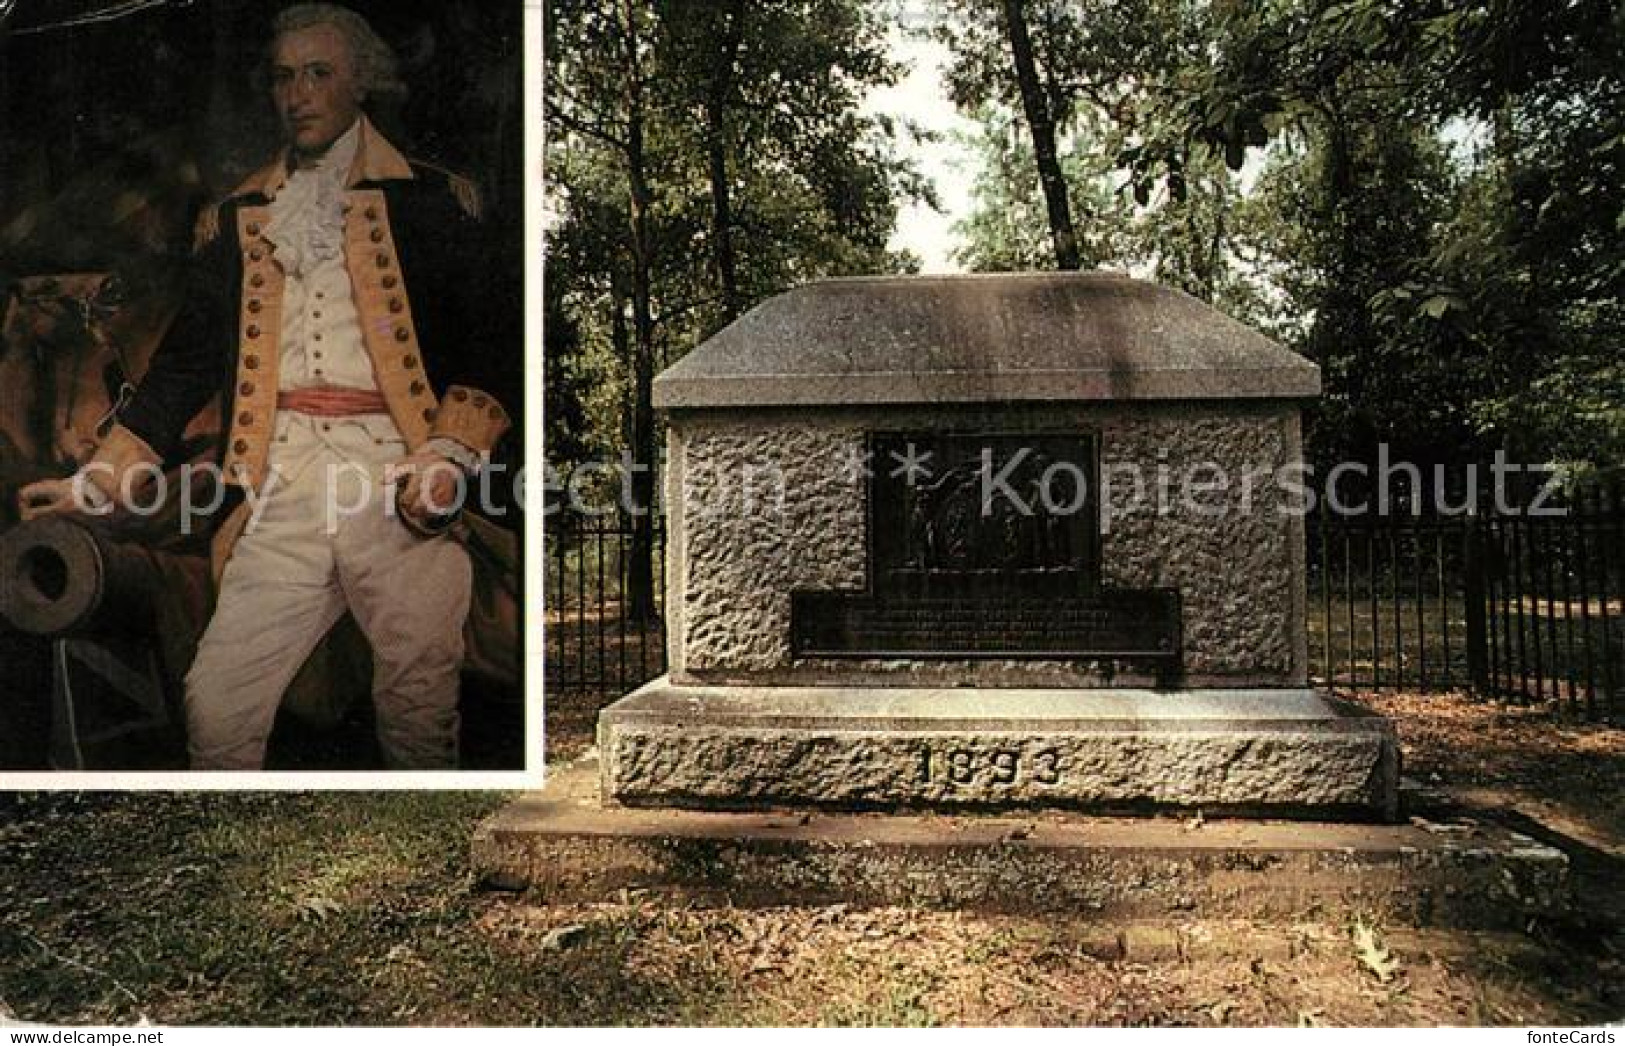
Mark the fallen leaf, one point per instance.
(563, 937)
(1372, 955)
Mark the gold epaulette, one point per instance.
(207, 229)
(468, 195)
(463, 188)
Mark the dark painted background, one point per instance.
(113, 133)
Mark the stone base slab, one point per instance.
(1287, 753)
(565, 846)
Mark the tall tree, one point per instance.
(1035, 103)
(702, 157)
(707, 40)
(1116, 70)
(1012, 55)
(599, 89)
(1007, 227)
(718, 95)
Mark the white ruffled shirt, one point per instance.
(307, 216)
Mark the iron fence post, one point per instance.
(1478, 660)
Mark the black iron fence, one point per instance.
(599, 640)
(1552, 590)
(1523, 605)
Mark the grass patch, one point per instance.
(271, 910)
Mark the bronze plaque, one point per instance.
(985, 546)
(1121, 623)
(992, 514)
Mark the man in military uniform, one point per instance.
(335, 304)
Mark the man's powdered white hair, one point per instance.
(375, 62)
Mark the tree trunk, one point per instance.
(1041, 122)
(640, 593)
(716, 146)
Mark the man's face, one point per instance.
(314, 86)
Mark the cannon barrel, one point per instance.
(62, 576)
(71, 575)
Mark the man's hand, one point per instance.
(52, 497)
(432, 489)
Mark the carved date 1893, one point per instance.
(965, 767)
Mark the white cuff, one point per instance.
(457, 452)
(90, 497)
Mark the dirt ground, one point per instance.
(362, 909)
(1549, 766)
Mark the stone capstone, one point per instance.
(998, 337)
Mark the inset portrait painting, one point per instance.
(261, 386)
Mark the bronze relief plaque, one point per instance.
(985, 545)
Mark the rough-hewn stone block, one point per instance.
(1285, 752)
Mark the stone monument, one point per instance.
(990, 542)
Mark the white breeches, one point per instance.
(324, 541)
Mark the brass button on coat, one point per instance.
(402, 334)
(251, 362)
(241, 446)
(245, 418)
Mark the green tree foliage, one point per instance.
(1114, 73)
(1510, 307)
(1438, 219)
(1075, 69)
(1356, 216)
(1008, 227)
(701, 157)
(812, 184)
